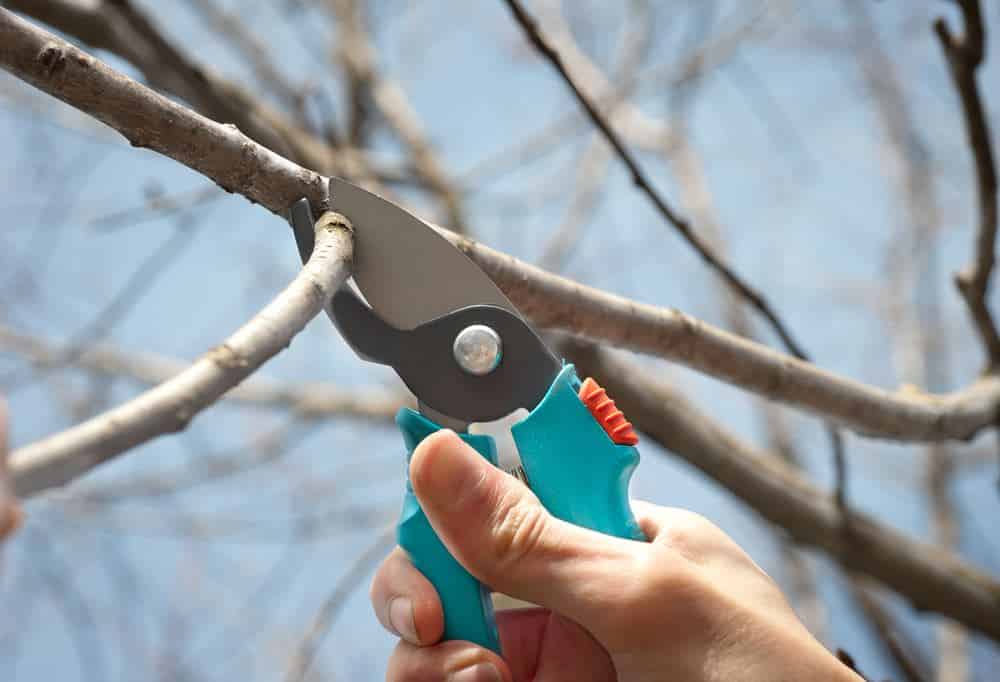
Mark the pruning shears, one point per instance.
(477, 367)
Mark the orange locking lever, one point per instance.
(606, 413)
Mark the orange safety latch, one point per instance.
(607, 415)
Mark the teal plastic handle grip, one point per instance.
(572, 465)
(576, 470)
(468, 609)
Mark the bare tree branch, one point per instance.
(304, 400)
(357, 572)
(720, 50)
(169, 407)
(156, 205)
(358, 56)
(595, 159)
(123, 29)
(254, 50)
(903, 651)
(558, 303)
(149, 120)
(916, 320)
(964, 57)
(639, 179)
(232, 160)
(931, 579)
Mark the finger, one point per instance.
(405, 602)
(3, 427)
(500, 532)
(10, 513)
(452, 661)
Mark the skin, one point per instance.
(688, 606)
(10, 515)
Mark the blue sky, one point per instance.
(796, 160)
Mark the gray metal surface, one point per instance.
(477, 349)
(423, 359)
(408, 272)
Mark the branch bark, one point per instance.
(150, 120)
(124, 30)
(555, 302)
(237, 163)
(305, 401)
(964, 57)
(357, 54)
(931, 579)
(681, 225)
(63, 457)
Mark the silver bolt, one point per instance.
(477, 349)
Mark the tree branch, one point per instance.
(964, 57)
(225, 155)
(305, 401)
(59, 459)
(555, 302)
(123, 29)
(639, 179)
(904, 652)
(358, 56)
(150, 120)
(303, 658)
(248, 46)
(931, 579)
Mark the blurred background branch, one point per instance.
(816, 151)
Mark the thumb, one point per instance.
(499, 531)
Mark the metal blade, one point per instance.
(408, 272)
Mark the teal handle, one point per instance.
(572, 465)
(468, 609)
(576, 470)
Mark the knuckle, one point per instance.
(663, 574)
(518, 531)
(690, 535)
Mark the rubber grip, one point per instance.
(572, 465)
(468, 609)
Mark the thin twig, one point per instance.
(251, 48)
(556, 302)
(964, 57)
(306, 401)
(156, 205)
(59, 459)
(128, 296)
(328, 612)
(915, 320)
(358, 56)
(639, 179)
(904, 652)
(232, 160)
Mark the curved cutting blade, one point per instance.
(408, 272)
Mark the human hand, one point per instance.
(689, 605)
(10, 516)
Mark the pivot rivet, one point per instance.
(477, 349)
